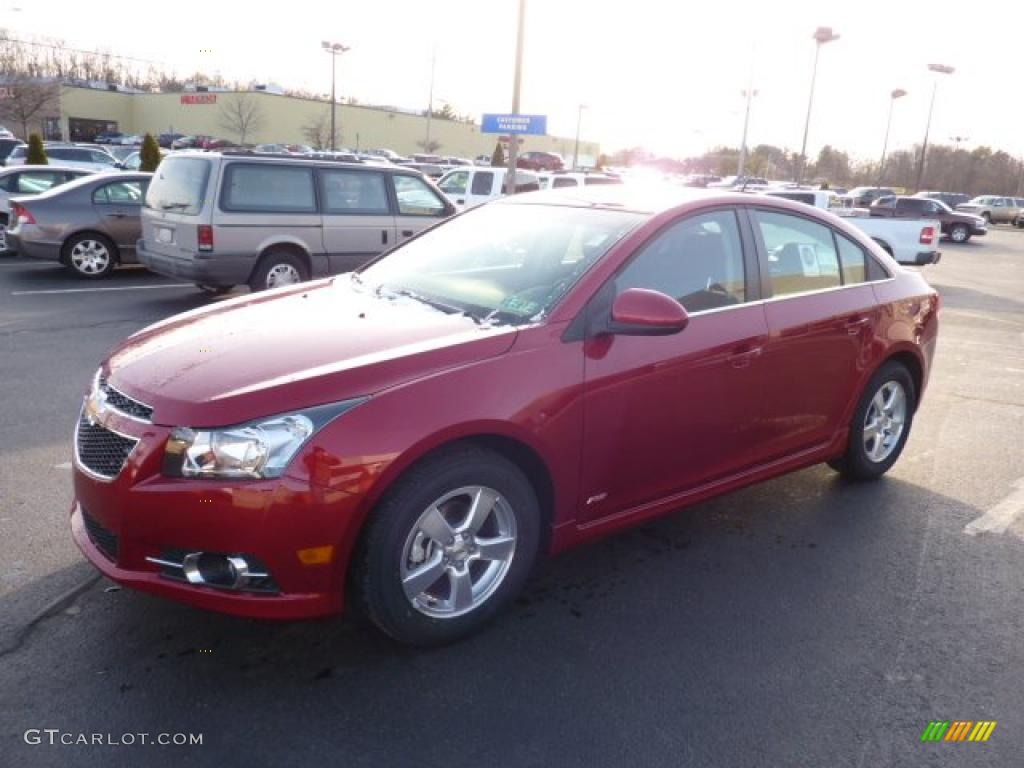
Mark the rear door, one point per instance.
(118, 206)
(358, 222)
(417, 204)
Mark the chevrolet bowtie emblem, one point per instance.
(96, 407)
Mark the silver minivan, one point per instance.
(220, 219)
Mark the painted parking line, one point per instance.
(98, 290)
(1001, 516)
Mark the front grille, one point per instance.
(99, 450)
(104, 540)
(121, 402)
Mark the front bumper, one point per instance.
(146, 515)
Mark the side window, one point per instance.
(354, 192)
(483, 183)
(801, 253)
(34, 182)
(853, 260)
(96, 156)
(415, 198)
(58, 153)
(697, 261)
(120, 193)
(562, 181)
(455, 183)
(268, 188)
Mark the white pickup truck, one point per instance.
(909, 241)
(470, 186)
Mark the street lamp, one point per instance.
(898, 93)
(335, 49)
(430, 100)
(513, 143)
(576, 149)
(941, 69)
(822, 35)
(749, 94)
(957, 140)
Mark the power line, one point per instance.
(79, 50)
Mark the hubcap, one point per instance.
(90, 257)
(884, 421)
(959, 234)
(458, 552)
(282, 274)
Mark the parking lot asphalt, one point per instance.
(801, 622)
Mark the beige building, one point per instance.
(84, 112)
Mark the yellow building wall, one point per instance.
(285, 118)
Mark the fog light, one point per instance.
(216, 570)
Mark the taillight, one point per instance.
(927, 235)
(205, 237)
(19, 211)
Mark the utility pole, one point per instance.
(898, 93)
(576, 149)
(943, 70)
(335, 49)
(821, 36)
(430, 99)
(513, 143)
(749, 93)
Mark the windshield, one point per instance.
(500, 263)
(179, 185)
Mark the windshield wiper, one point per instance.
(449, 309)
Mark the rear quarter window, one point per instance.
(179, 185)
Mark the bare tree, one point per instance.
(429, 147)
(242, 115)
(26, 101)
(318, 132)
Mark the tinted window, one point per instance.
(415, 198)
(179, 184)
(801, 253)
(354, 192)
(120, 193)
(19, 152)
(455, 183)
(697, 261)
(483, 182)
(562, 181)
(34, 182)
(100, 157)
(853, 260)
(60, 153)
(268, 188)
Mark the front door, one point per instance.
(668, 413)
(357, 220)
(419, 206)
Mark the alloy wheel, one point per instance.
(90, 257)
(884, 421)
(458, 552)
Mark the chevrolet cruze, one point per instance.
(406, 440)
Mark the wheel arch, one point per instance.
(913, 364)
(287, 246)
(115, 252)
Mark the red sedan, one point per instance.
(409, 438)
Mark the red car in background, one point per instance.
(540, 161)
(409, 439)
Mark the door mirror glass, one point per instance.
(643, 312)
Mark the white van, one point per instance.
(470, 186)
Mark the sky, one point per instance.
(668, 76)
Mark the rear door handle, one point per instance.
(407, 233)
(383, 237)
(742, 355)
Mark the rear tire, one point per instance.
(428, 579)
(880, 425)
(959, 233)
(90, 256)
(278, 268)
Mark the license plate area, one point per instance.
(164, 235)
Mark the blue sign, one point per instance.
(536, 125)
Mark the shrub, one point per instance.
(498, 158)
(36, 153)
(149, 155)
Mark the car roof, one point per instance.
(8, 170)
(93, 178)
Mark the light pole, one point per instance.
(513, 142)
(750, 94)
(898, 93)
(941, 69)
(822, 35)
(335, 49)
(576, 148)
(430, 99)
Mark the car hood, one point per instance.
(288, 349)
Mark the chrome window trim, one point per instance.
(95, 475)
(802, 294)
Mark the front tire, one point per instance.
(959, 233)
(448, 548)
(90, 256)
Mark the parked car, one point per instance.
(133, 161)
(432, 170)
(862, 197)
(23, 181)
(563, 179)
(453, 161)
(388, 154)
(992, 208)
(473, 186)
(328, 456)
(108, 137)
(540, 161)
(7, 146)
(185, 142)
(957, 226)
(952, 199)
(738, 182)
(89, 225)
(128, 140)
(206, 217)
(166, 140)
(4, 133)
(91, 158)
(482, 160)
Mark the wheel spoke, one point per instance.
(481, 508)
(871, 430)
(461, 588)
(436, 527)
(498, 548)
(419, 580)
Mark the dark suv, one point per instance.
(958, 227)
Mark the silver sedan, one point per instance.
(89, 225)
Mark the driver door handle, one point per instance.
(741, 356)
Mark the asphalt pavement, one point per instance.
(801, 622)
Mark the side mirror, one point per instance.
(643, 312)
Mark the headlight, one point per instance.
(258, 449)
